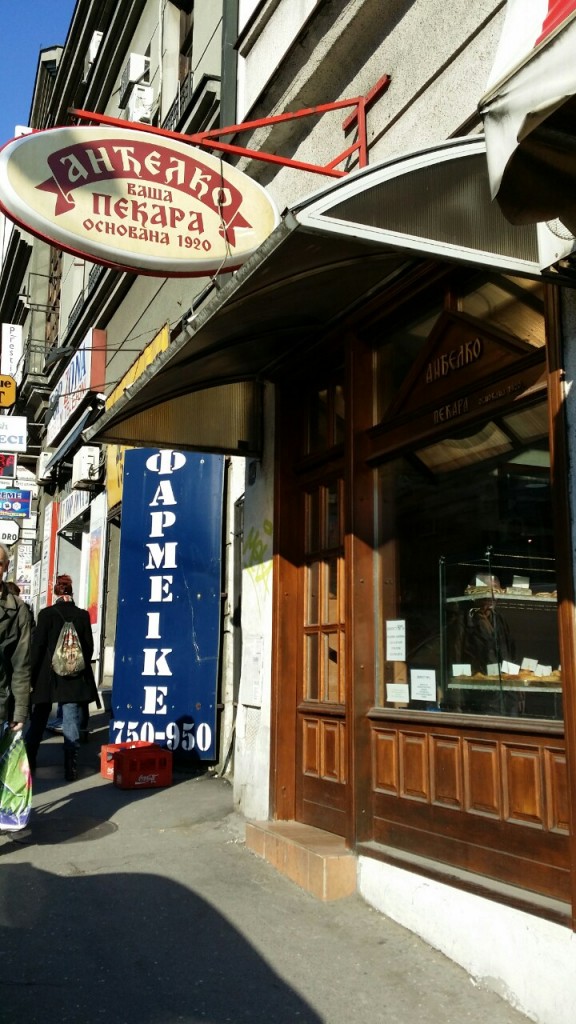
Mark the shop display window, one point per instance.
(466, 584)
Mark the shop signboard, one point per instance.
(95, 581)
(24, 569)
(134, 200)
(168, 624)
(115, 452)
(72, 506)
(15, 503)
(9, 531)
(7, 391)
(7, 466)
(11, 361)
(84, 375)
(13, 433)
(48, 561)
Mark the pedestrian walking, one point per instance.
(58, 677)
(14, 653)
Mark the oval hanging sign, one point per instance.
(134, 200)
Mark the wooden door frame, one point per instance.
(285, 623)
(560, 474)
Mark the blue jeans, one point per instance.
(71, 722)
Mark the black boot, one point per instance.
(70, 765)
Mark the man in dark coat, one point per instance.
(14, 653)
(72, 691)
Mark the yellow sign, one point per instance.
(115, 452)
(148, 354)
(7, 392)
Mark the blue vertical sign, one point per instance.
(168, 625)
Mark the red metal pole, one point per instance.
(362, 137)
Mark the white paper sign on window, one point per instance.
(423, 684)
(396, 640)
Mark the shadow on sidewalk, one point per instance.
(129, 949)
(80, 943)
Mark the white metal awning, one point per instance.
(529, 113)
(328, 254)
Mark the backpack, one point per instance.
(68, 659)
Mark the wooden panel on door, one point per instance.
(523, 785)
(482, 778)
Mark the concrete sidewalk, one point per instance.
(146, 908)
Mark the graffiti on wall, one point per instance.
(257, 555)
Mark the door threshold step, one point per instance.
(317, 861)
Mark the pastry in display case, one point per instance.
(499, 637)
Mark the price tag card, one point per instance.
(461, 670)
(510, 668)
(543, 670)
(396, 640)
(522, 582)
(529, 664)
(493, 670)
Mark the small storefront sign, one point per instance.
(24, 569)
(9, 531)
(13, 433)
(46, 571)
(15, 503)
(7, 391)
(134, 200)
(72, 506)
(84, 375)
(7, 466)
(168, 625)
(11, 353)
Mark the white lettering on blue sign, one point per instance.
(161, 563)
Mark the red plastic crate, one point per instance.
(107, 755)
(142, 766)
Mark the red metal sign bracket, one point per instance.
(212, 139)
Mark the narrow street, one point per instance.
(146, 908)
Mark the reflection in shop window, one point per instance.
(326, 419)
(331, 689)
(313, 594)
(467, 601)
(312, 688)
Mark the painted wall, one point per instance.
(252, 752)
(438, 57)
(266, 45)
(207, 39)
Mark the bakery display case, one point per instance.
(499, 636)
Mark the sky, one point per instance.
(26, 27)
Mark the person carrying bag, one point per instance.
(62, 648)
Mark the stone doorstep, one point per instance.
(317, 861)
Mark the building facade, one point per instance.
(393, 370)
